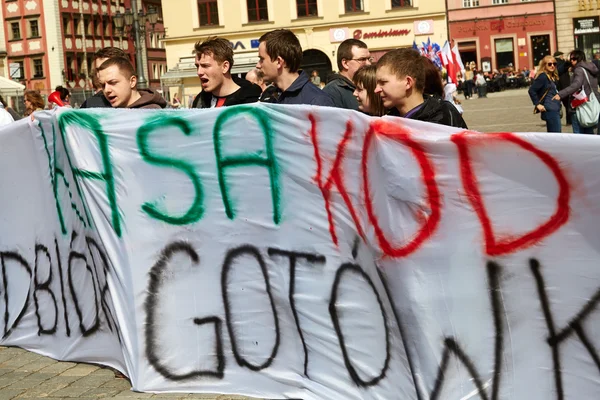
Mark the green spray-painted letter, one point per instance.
(243, 160)
(196, 210)
(91, 123)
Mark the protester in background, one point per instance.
(434, 81)
(315, 78)
(563, 68)
(10, 110)
(542, 92)
(257, 77)
(450, 93)
(175, 102)
(33, 102)
(596, 60)
(5, 117)
(279, 58)
(351, 55)
(65, 95)
(401, 78)
(468, 82)
(481, 84)
(581, 68)
(119, 85)
(214, 60)
(98, 100)
(365, 81)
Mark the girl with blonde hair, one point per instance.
(542, 93)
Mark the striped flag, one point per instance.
(579, 98)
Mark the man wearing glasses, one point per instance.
(352, 54)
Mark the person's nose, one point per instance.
(378, 89)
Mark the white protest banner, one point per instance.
(303, 252)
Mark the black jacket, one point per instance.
(341, 90)
(96, 101)
(247, 93)
(302, 91)
(438, 111)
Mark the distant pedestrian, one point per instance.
(468, 82)
(315, 78)
(481, 84)
(584, 74)
(33, 102)
(542, 93)
(10, 110)
(563, 67)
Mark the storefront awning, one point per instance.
(10, 86)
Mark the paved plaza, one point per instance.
(27, 375)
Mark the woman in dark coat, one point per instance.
(542, 93)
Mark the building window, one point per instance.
(15, 30)
(67, 25)
(499, 1)
(257, 10)
(208, 12)
(34, 30)
(38, 68)
(16, 70)
(307, 8)
(470, 3)
(401, 3)
(353, 5)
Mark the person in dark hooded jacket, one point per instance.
(582, 72)
(401, 77)
(214, 60)
(351, 55)
(119, 85)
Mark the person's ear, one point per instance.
(225, 67)
(280, 62)
(345, 64)
(133, 81)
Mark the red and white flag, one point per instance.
(448, 62)
(579, 98)
(457, 59)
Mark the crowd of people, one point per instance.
(402, 83)
(570, 81)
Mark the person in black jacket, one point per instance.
(214, 60)
(542, 92)
(564, 80)
(351, 55)
(401, 77)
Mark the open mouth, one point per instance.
(204, 81)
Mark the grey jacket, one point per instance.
(341, 90)
(579, 79)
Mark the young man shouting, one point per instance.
(401, 83)
(214, 60)
(119, 85)
(280, 55)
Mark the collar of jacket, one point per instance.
(299, 83)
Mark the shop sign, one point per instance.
(237, 45)
(525, 23)
(337, 35)
(424, 27)
(586, 25)
(359, 34)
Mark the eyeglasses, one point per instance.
(551, 64)
(363, 59)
